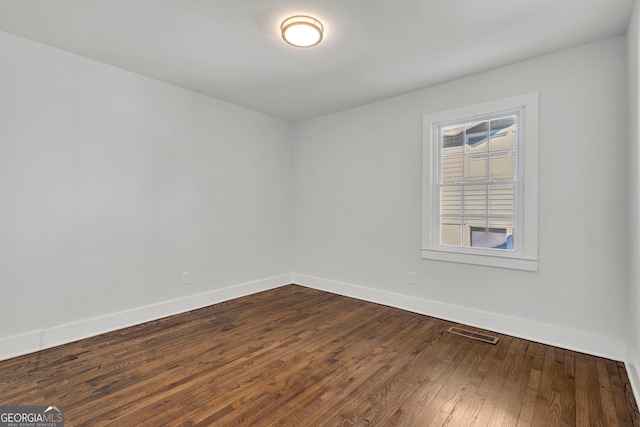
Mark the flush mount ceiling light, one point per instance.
(302, 31)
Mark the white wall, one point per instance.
(112, 184)
(357, 204)
(633, 58)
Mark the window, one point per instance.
(476, 184)
(480, 184)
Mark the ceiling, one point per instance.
(372, 49)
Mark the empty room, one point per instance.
(297, 213)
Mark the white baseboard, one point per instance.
(571, 339)
(597, 345)
(632, 365)
(63, 334)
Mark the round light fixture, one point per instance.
(302, 31)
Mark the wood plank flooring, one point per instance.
(294, 356)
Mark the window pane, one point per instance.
(452, 140)
(503, 133)
(451, 201)
(452, 170)
(502, 166)
(469, 224)
(508, 225)
(475, 201)
(476, 137)
(495, 238)
(476, 167)
(502, 201)
(451, 231)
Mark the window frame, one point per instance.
(524, 256)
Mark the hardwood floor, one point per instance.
(299, 357)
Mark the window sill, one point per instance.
(527, 264)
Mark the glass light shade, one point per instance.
(302, 31)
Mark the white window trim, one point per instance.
(525, 257)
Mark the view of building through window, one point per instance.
(477, 183)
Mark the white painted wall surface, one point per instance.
(633, 58)
(112, 184)
(357, 202)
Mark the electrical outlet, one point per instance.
(186, 277)
(412, 278)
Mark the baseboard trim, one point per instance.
(584, 342)
(597, 345)
(46, 338)
(632, 366)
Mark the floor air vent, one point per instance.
(473, 335)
